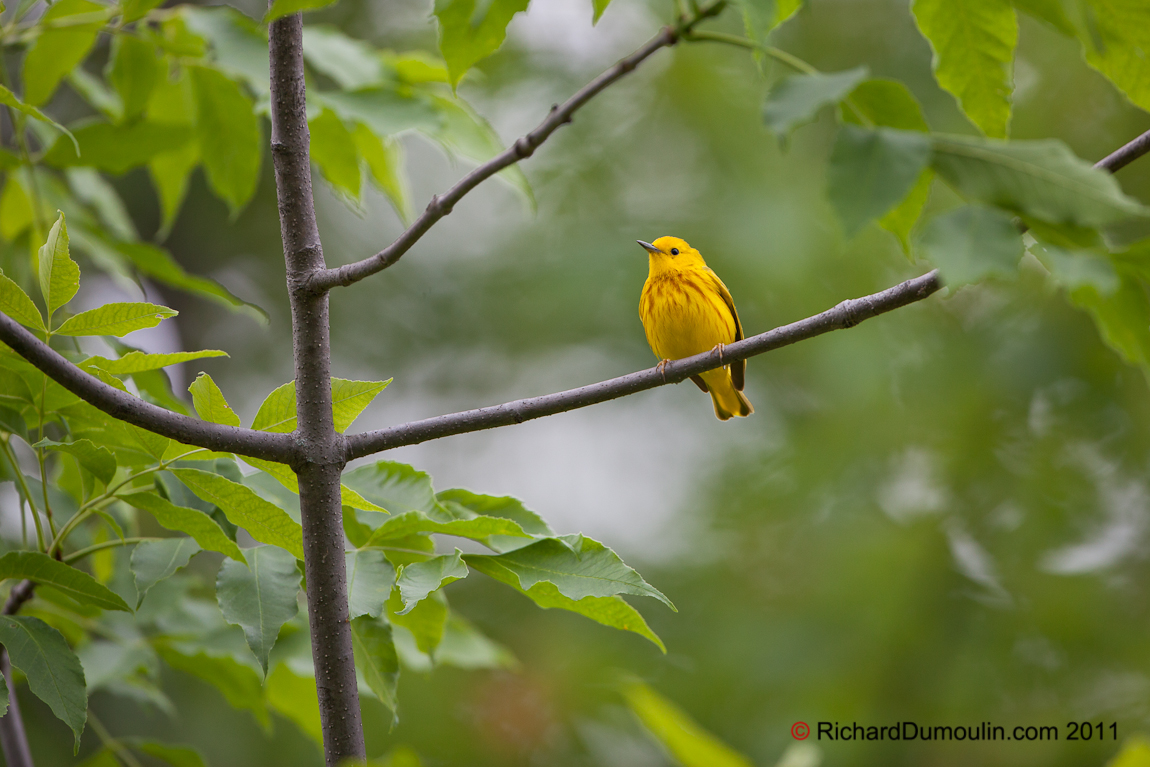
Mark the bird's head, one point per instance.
(672, 253)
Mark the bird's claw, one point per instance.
(719, 348)
(662, 368)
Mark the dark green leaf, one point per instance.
(115, 320)
(416, 581)
(287, 478)
(77, 584)
(871, 171)
(760, 17)
(466, 133)
(58, 49)
(370, 578)
(153, 561)
(260, 597)
(375, 657)
(97, 459)
(427, 620)
(54, 673)
(333, 150)
(59, 275)
(133, 72)
(971, 244)
(1078, 268)
(117, 148)
(797, 99)
(229, 135)
(239, 44)
(470, 32)
(396, 487)
(201, 527)
(176, 756)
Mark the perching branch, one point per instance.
(845, 315)
(1119, 159)
(125, 407)
(524, 147)
(13, 737)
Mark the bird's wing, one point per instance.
(738, 369)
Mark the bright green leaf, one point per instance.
(16, 304)
(384, 159)
(210, 403)
(59, 275)
(139, 362)
(333, 151)
(281, 8)
(871, 171)
(971, 244)
(286, 477)
(296, 698)
(229, 134)
(201, 527)
(153, 561)
(277, 413)
(16, 214)
(133, 72)
(471, 31)
(973, 43)
(900, 220)
(688, 743)
(396, 487)
(115, 319)
(77, 584)
(796, 99)
(465, 132)
(58, 49)
(370, 578)
(260, 597)
(760, 17)
(416, 581)
(264, 521)
(117, 148)
(134, 10)
(1116, 40)
(9, 99)
(1122, 318)
(54, 673)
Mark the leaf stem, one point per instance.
(81, 553)
(111, 743)
(25, 493)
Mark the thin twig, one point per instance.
(845, 315)
(441, 205)
(1126, 155)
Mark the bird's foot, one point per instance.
(662, 368)
(719, 348)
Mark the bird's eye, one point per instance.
(674, 251)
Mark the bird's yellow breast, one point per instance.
(683, 314)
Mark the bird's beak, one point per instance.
(650, 248)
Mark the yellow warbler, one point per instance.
(686, 310)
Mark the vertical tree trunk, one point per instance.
(13, 738)
(322, 446)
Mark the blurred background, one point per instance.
(941, 516)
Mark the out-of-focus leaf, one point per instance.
(1078, 268)
(470, 32)
(176, 756)
(333, 150)
(277, 413)
(416, 67)
(134, 10)
(1115, 41)
(54, 673)
(900, 219)
(210, 403)
(264, 521)
(597, 8)
(416, 581)
(115, 319)
(1135, 753)
(201, 527)
(88, 185)
(1122, 318)
(97, 459)
(871, 171)
(286, 477)
(58, 49)
(9, 99)
(1043, 179)
(973, 43)
(370, 578)
(17, 304)
(15, 208)
(133, 72)
(116, 148)
(295, 697)
(239, 44)
(760, 17)
(229, 135)
(464, 646)
(1050, 11)
(281, 8)
(260, 596)
(59, 275)
(240, 685)
(159, 264)
(384, 110)
(172, 103)
(688, 743)
(796, 99)
(465, 132)
(427, 620)
(375, 657)
(77, 584)
(153, 561)
(97, 93)
(352, 63)
(384, 159)
(971, 244)
(887, 103)
(139, 362)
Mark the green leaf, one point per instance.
(16, 304)
(1050, 11)
(796, 99)
(871, 171)
(264, 521)
(172, 102)
(295, 697)
(427, 620)
(598, 6)
(470, 31)
(3, 696)
(352, 63)
(91, 187)
(260, 597)
(760, 17)
(384, 110)
(54, 673)
(1116, 39)
(77, 584)
(59, 275)
(210, 403)
(384, 159)
(133, 72)
(1078, 269)
(416, 581)
(973, 43)
(229, 135)
(1043, 179)
(277, 413)
(115, 319)
(9, 99)
(464, 646)
(396, 487)
(375, 657)
(886, 103)
(370, 578)
(58, 49)
(154, 444)
(239, 44)
(240, 685)
(201, 527)
(159, 264)
(286, 477)
(333, 151)
(134, 10)
(97, 459)
(901, 219)
(971, 244)
(1122, 318)
(176, 756)
(116, 148)
(465, 132)
(153, 561)
(465, 503)
(16, 214)
(97, 93)
(281, 8)
(493, 532)
(139, 362)
(688, 743)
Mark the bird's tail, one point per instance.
(728, 400)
